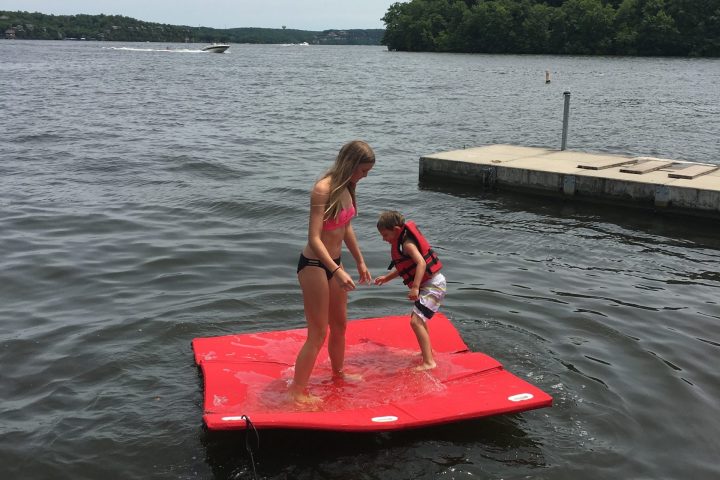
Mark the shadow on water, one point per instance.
(428, 452)
(702, 231)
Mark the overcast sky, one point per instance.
(299, 14)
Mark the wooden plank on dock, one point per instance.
(646, 166)
(603, 163)
(693, 171)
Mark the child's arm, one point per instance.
(387, 277)
(411, 250)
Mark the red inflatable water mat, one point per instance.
(247, 375)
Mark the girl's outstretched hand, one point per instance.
(380, 280)
(365, 276)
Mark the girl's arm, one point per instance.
(351, 243)
(318, 200)
(411, 250)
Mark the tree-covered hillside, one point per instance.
(39, 26)
(587, 27)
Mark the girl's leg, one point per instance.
(314, 284)
(423, 337)
(337, 321)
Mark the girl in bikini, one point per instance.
(324, 282)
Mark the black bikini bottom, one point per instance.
(313, 262)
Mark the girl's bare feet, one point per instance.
(300, 396)
(425, 366)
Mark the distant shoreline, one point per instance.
(39, 26)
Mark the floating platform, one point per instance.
(246, 377)
(660, 184)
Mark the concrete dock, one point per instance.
(655, 183)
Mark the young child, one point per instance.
(415, 261)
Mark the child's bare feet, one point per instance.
(425, 366)
(344, 375)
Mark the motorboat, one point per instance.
(216, 48)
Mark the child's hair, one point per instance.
(390, 219)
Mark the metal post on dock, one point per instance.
(566, 114)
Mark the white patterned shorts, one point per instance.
(430, 297)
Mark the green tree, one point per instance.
(423, 25)
(657, 32)
(395, 19)
(626, 27)
(697, 22)
(535, 31)
(489, 27)
(645, 27)
(584, 27)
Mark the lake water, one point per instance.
(152, 196)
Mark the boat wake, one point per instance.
(169, 50)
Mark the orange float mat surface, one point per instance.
(247, 376)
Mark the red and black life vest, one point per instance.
(405, 264)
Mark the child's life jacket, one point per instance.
(404, 264)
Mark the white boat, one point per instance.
(216, 48)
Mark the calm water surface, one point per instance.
(150, 197)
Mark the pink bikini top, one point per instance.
(343, 218)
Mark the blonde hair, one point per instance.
(390, 219)
(350, 156)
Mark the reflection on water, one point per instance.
(455, 450)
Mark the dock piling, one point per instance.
(566, 114)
